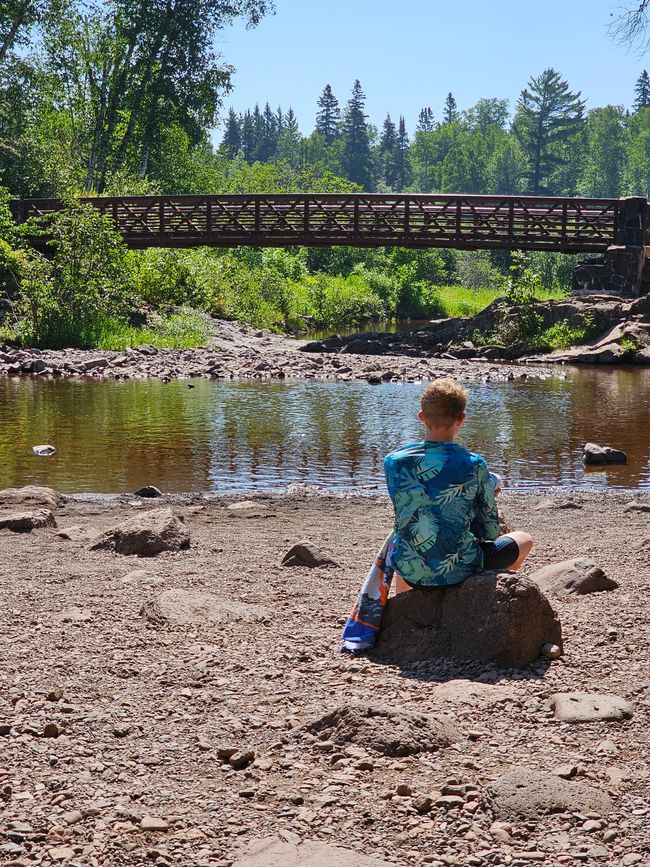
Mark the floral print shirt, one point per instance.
(438, 489)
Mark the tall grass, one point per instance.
(460, 301)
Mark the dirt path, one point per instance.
(142, 706)
(239, 351)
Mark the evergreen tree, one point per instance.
(268, 135)
(402, 157)
(231, 142)
(248, 136)
(289, 140)
(388, 153)
(328, 116)
(548, 115)
(642, 91)
(356, 158)
(450, 111)
(425, 121)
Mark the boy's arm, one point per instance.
(487, 513)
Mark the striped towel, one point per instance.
(360, 631)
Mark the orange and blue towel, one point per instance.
(362, 626)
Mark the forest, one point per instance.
(130, 97)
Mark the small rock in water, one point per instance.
(44, 451)
(148, 491)
(595, 454)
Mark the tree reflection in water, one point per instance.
(237, 436)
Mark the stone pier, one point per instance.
(623, 270)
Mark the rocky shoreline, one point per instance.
(176, 708)
(237, 351)
(622, 329)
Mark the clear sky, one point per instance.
(411, 53)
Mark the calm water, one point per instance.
(238, 436)
(391, 326)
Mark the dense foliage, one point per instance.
(124, 97)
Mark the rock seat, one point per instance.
(494, 617)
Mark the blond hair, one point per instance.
(442, 402)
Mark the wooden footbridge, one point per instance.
(568, 225)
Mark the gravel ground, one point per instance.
(239, 351)
(113, 723)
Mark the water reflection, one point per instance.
(241, 436)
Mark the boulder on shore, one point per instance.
(577, 576)
(146, 534)
(31, 495)
(595, 454)
(25, 522)
(492, 617)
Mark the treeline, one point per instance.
(551, 145)
(124, 97)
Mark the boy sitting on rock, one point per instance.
(446, 519)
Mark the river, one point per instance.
(239, 436)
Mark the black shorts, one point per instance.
(500, 554)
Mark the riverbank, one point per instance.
(139, 708)
(238, 351)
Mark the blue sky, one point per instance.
(411, 53)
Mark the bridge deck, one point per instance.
(567, 225)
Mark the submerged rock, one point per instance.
(491, 617)
(146, 534)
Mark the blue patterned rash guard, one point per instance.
(438, 489)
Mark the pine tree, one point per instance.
(387, 153)
(402, 157)
(268, 135)
(231, 142)
(289, 140)
(328, 115)
(548, 114)
(425, 120)
(356, 158)
(248, 136)
(642, 91)
(450, 111)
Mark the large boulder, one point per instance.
(146, 534)
(389, 731)
(577, 576)
(31, 495)
(529, 794)
(491, 617)
(273, 852)
(25, 522)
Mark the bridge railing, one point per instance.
(571, 225)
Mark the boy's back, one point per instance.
(437, 489)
